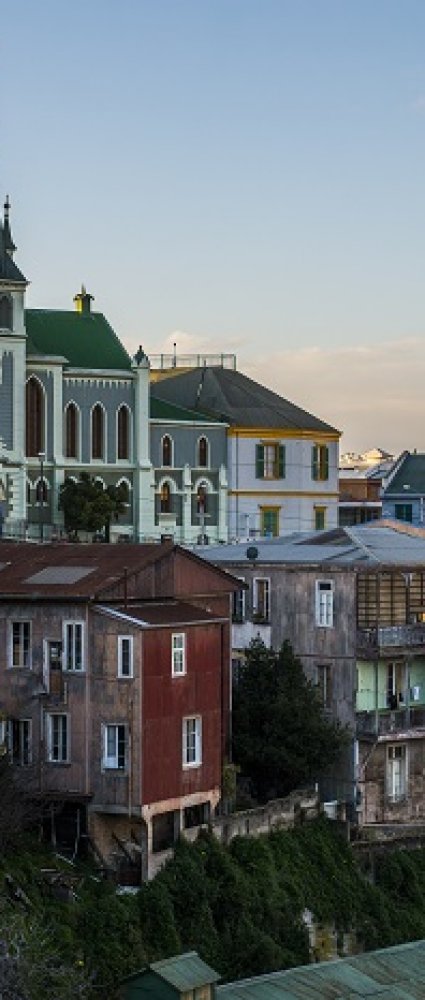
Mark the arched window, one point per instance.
(123, 430)
(34, 417)
(167, 450)
(202, 499)
(41, 492)
(165, 498)
(124, 491)
(97, 431)
(202, 453)
(6, 312)
(71, 431)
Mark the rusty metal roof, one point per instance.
(396, 973)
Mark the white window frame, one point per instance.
(22, 758)
(21, 665)
(238, 601)
(397, 772)
(110, 762)
(324, 601)
(69, 654)
(60, 758)
(178, 654)
(192, 741)
(266, 582)
(121, 640)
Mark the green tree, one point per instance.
(88, 506)
(281, 738)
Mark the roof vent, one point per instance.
(252, 553)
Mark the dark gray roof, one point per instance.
(237, 399)
(410, 473)
(365, 547)
(8, 269)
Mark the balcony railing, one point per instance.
(165, 361)
(390, 636)
(383, 723)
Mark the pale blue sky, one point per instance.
(249, 173)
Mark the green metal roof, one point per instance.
(85, 339)
(185, 972)
(388, 974)
(161, 409)
(411, 473)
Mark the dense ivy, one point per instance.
(240, 907)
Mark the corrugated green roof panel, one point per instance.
(185, 972)
(85, 339)
(397, 973)
(161, 409)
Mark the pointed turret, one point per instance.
(8, 243)
(9, 272)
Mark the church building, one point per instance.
(71, 400)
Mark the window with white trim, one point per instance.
(178, 654)
(238, 605)
(397, 772)
(18, 741)
(324, 603)
(20, 644)
(125, 656)
(192, 741)
(261, 599)
(114, 746)
(58, 738)
(73, 646)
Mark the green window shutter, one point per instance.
(259, 461)
(325, 462)
(281, 461)
(314, 458)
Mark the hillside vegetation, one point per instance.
(239, 907)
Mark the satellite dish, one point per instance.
(252, 553)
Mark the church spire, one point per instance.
(8, 243)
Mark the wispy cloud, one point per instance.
(374, 394)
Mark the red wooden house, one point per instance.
(115, 689)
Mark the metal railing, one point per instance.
(384, 722)
(391, 636)
(163, 362)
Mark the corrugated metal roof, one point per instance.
(366, 545)
(185, 972)
(388, 974)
